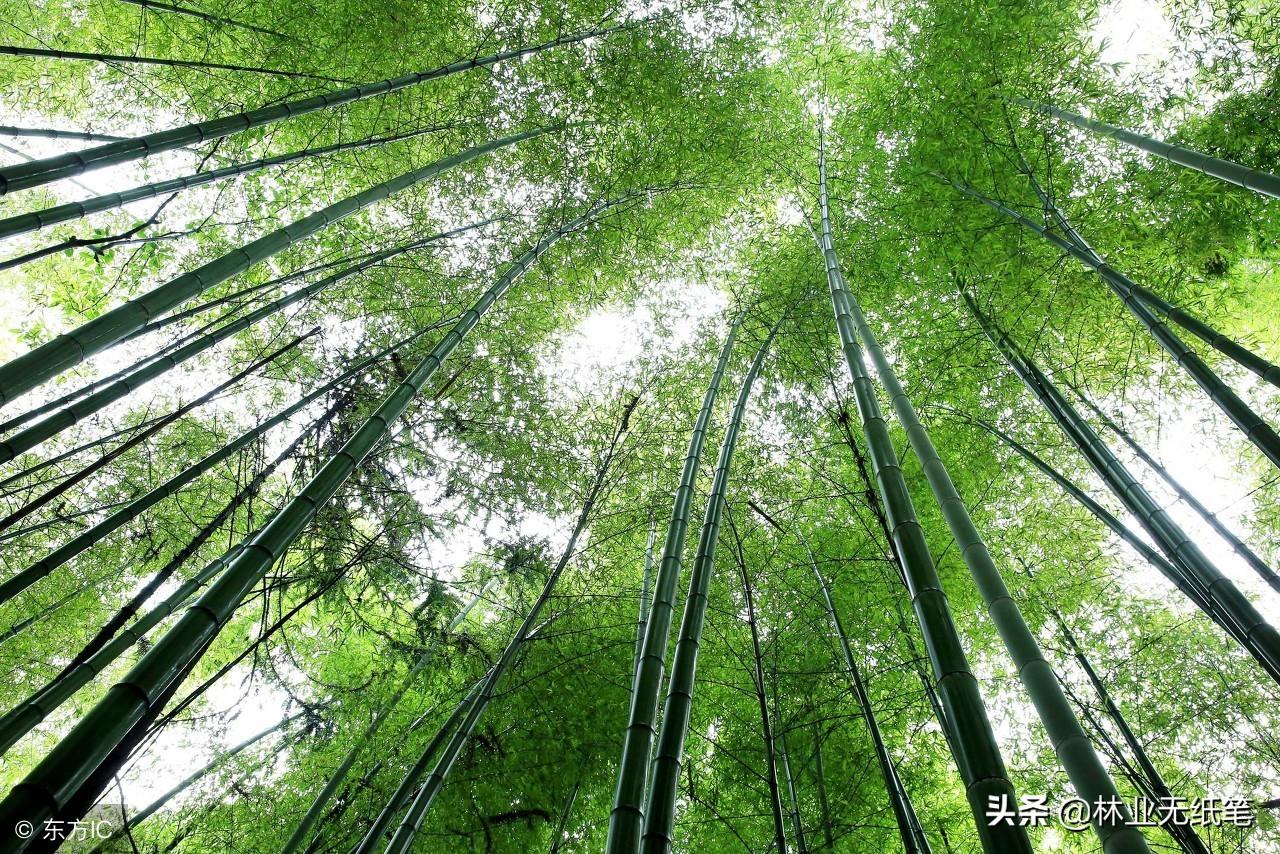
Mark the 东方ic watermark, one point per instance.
(56, 830)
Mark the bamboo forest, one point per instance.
(668, 426)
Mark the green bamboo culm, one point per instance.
(1225, 170)
(1239, 546)
(1182, 831)
(52, 133)
(57, 779)
(52, 425)
(129, 59)
(1075, 751)
(407, 830)
(1261, 434)
(25, 716)
(1257, 636)
(38, 172)
(133, 509)
(194, 777)
(34, 220)
(661, 812)
(404, 792)
(902, 808)
(1225, 345)
(977, 754)
(314, 812)
(48, 360)
(1174, 574)
(646, 593)
(626, 820)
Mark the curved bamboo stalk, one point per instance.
(1238, 545)
(676, 711)
(35, 220)
(762, 700)
(1258, 637)
(54, 424)
(977, 753)
(135, 603)
(173, 8)
(38, 172)
(1261, 434)
(300, 833)
(1233, 173)
(89, 749)
(8, 589)
(137, 506)
(106, 58)
(1187, 585)
(1075, 751)
(627, 816)
(48, 360)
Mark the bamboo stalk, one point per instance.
(48, 360)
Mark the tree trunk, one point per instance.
(52, 785)
(48, 360)
(627, 817)
(980, 764)
(660, 818)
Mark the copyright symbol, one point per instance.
(24, 829)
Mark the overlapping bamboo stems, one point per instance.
(1174, 574)
(895, 559)
(136, 507)
(1261, 434)
(913, 842)
(1225, 170)
(43, 171)
(196, 776)
(159, 5)
(48, 360)
(1257, 636)
(1240, 354)
(676, 710)
(762, 701)
(627, 816)
(180, 558)
(34, 220)
(21, 719)
(1075, 751)
(978, 756)
(1238, 545)
(127, 59)
(49, 427)
(646, 594)
(1151, 779)
(56, 781)
(12, 586)
(314, 812)
(405, 791)
(793, 798)
(402, 840)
